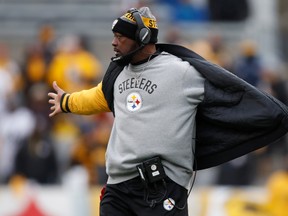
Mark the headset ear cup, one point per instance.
(144, 35)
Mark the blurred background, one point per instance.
(56, 167)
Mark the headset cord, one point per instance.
(153, 202)
(192, 184)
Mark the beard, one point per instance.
(123, 60)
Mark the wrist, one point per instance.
(64, 103)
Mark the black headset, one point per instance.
(143, 34)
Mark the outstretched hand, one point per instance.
(55, 99)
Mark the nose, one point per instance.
(114, 42)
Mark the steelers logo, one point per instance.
(134, 102)
(169, 204)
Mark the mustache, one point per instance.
(124, 60)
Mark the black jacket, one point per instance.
(234, 118)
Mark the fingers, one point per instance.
(52, 95)
(54, 111)
(52, 114)
(51, 101)
(55, 99)
(52, 108)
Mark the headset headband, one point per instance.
(143, 34)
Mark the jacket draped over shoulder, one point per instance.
(234, 118)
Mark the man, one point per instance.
(155, 96)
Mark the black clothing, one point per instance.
(234, 118)
(130, 198)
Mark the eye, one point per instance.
(118, 37)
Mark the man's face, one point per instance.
(123, 45)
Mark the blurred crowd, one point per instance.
(36, 147)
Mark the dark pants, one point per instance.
(132, 198)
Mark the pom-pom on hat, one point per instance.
(127, 26)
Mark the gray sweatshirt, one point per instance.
(155, 107)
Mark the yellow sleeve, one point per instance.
(86, 102)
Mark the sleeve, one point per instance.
(86, 102)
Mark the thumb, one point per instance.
(57, 88)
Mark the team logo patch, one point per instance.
(168, 204)
(134, 102)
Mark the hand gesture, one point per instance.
(55, 99)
